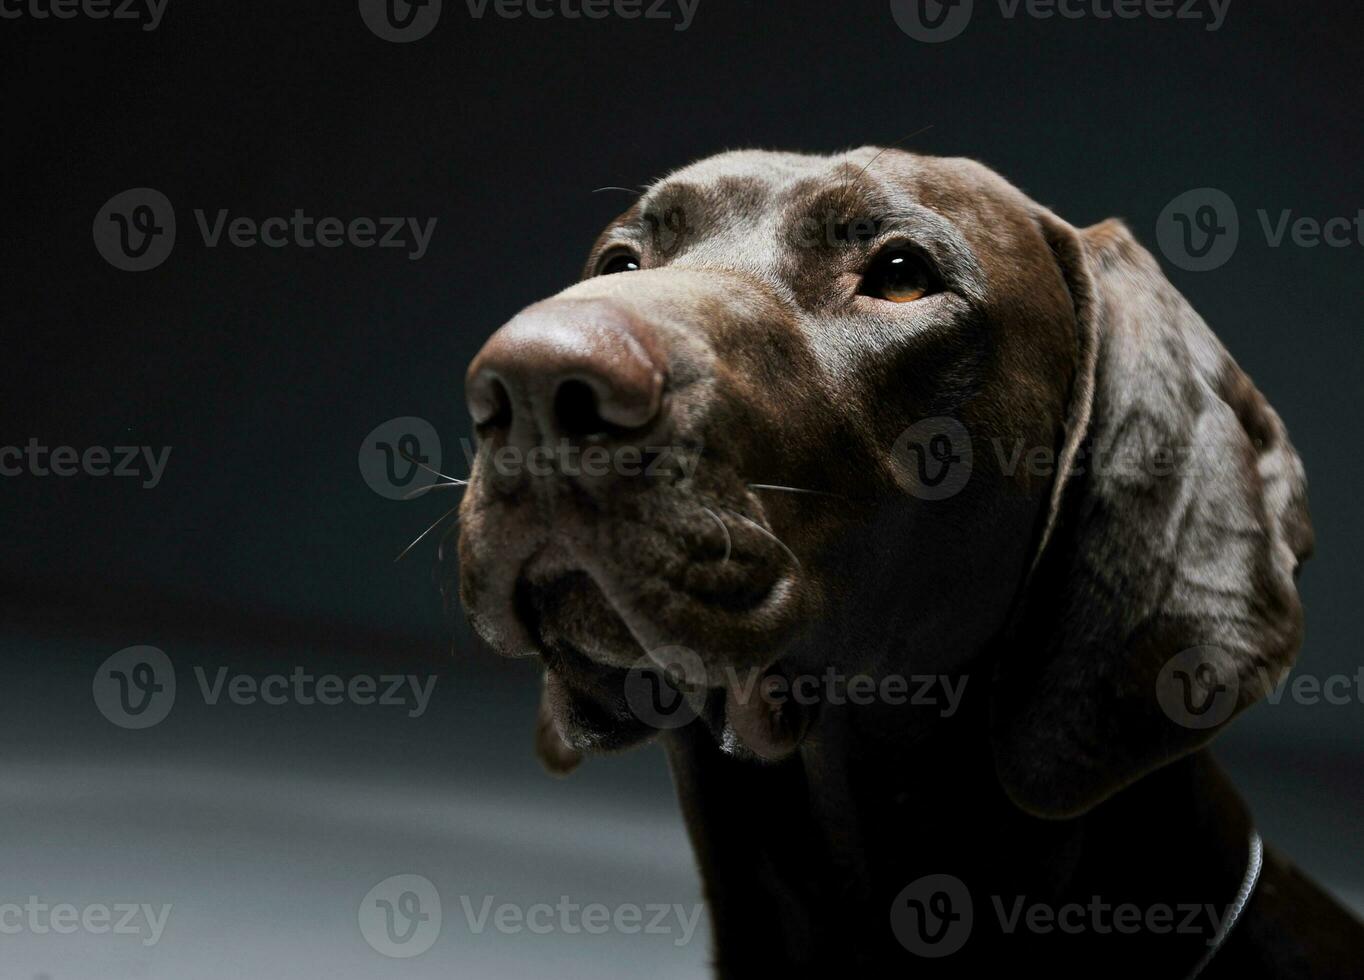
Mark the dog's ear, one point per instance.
(1163, 597)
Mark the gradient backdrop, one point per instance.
(261, 549)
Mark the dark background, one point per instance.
(264, 369)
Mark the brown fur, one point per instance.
(1060, 595)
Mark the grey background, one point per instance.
(262, 548)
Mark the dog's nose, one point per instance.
(570, 369)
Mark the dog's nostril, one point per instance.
(502, 406)
(576, 410)
(488, 400)
(490, 404)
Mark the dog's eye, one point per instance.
(618, 262)
(899, 275)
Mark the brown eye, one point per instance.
(619, 262)
(898, 275)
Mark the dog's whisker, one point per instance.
(426, 466)
(414, 494)
(764, 531)
(416, 541)
(627, 190)
(774, 486)
(728, 542)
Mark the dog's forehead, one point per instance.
(783, 216)
(772, 171)
(761, 179)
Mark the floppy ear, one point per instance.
(1163, 598)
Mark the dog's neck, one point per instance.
(935, 780)
(869, 805)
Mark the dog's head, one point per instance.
(878, 412)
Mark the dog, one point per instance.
(879, 423)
